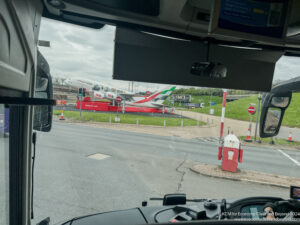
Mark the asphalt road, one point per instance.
(140, 166)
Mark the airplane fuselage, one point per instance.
(145, 105)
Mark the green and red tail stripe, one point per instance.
(151, 97)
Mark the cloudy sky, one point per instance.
(87, 53)
(78, 52)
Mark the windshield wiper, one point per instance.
(188, 200)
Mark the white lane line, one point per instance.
(289, 157)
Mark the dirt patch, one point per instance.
(246, 175)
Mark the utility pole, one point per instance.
(80, 93)
(210, 100)
(222, 125)
(80, 105)
(257, 116)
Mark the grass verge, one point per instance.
(128, 119)
(239, 110)
(277, 141)
(236, 110)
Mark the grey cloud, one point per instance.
(73, 48)
(82, 52)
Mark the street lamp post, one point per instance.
(258, 108)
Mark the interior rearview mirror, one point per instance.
(42, 120)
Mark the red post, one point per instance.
(222, 125)
(223, 113)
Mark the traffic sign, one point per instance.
(251, 110)
(118, 99)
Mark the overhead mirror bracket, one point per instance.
(145, 57)
(27, 101)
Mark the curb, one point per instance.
(227, 177)
(237, 179)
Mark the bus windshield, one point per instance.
(115, 144)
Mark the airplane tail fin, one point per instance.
(162, 96)
(158, 97)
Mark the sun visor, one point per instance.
(145, 57)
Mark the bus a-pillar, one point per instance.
(230, 153)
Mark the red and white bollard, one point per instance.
(248, 137)
(62, 115)
(290, 138)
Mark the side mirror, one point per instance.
(272, 113)
(42, 120)
(274, 105)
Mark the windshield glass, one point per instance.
(114, 144)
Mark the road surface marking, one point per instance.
(289, 157)
(98, 156)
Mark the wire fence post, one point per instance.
(272, 142)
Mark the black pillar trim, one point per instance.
(16, 145)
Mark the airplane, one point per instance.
(105, 95)
(81, 83)
(99, 95)
(99, 90)
(153, 101)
